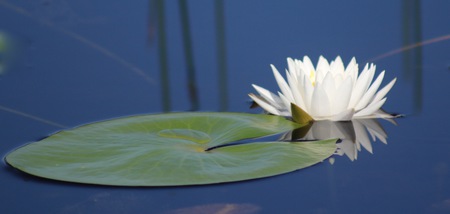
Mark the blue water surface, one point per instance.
(72, 62)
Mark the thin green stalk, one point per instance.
(188, 53)
(221, 55)
(162, 47)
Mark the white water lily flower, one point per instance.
(327, 92)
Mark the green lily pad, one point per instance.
(168, 150)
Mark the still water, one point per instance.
(72, 62)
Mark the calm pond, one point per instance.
(64, 63)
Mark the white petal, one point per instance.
(369, 110)
(270, 97)
(352, 70)
(351, 65)
(301, 68)
(381, 93)
(382, 114)
(320, 103)
(320, 75)
(338, 79)
(291, 65)
(346, 115)
(368, 96)
(307, 97)
(342, 98)
(322, 64)
(282, 84)
(329, 86)
(308, 64)
(337, 66)
(296, 90)
(363, 82)
(264, 105)
(286, 104)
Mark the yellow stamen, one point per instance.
(312, 77)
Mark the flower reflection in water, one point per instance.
(353, 134)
